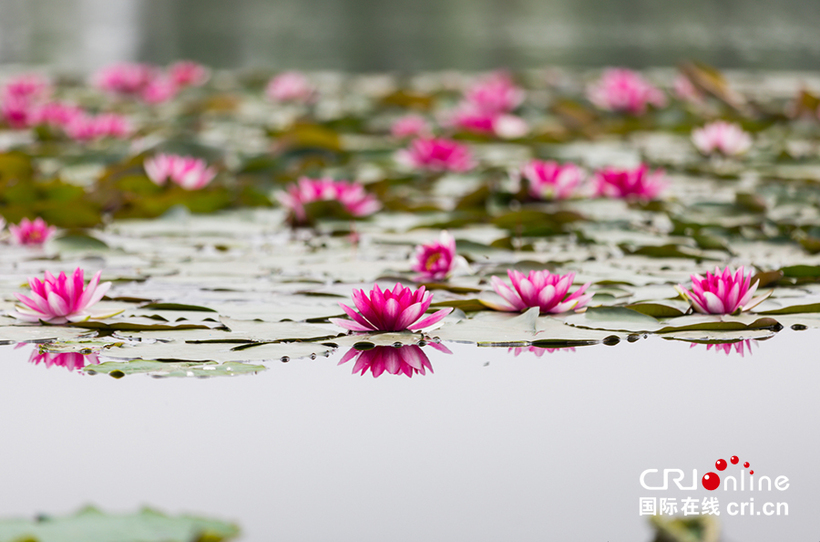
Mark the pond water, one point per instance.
(366, 35)
(230, 217)
(489, 446)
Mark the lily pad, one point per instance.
(91, 525)
(173, 369)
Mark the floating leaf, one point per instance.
(175, 307)
(615, 319)
(91, 525)
(792, 309)
(718, 323)
(142, 323)
(38, 333)
(79, 241)
(656, 310)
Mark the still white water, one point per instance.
(489, 447)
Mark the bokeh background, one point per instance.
(407, 35)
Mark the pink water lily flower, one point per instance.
(437, 154)
(124, 78)
(725, 292)
(73, 361)
(436, 260)
(637, 183)
(94, 127)
(17, 111)
(508, 126)
(20, 97)
(58, 300)
(29, 232)
(410, 126)
(290, 87)
(726, 138)
(549, 180)
(159, 90)
(186, 171)
(27, 86)
(469, 118)
(391, 310)
(187, 73)
(352, 196)
(624, 90)
(407, 360)
(540, 288)
(56, 114)
(495, 93)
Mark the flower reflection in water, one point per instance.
(737, 347)
(73, 361)
(407, 360)
(537, 350)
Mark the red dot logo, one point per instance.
(711, 481)
(751, 472)
(746, 465)
(734, 459)
(720, 464)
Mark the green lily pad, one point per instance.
(218, 351)
(91, 525)
(175, 307)
(615, 319)
(35, 333)
(173, 369)
(142, 323)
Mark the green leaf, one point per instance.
(802, 271)
(467, 305)
(173, 369)
(91, 525)
(703, 528)
(141, 323)
(656, 310)
(614, 319)
(176, 307)
(79, 241)
(793, 309)
(719, 323)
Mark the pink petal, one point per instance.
(434, 318)
(350, 324)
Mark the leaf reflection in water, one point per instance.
(737, 347)
(407, 360)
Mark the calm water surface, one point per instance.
(400, 35)
(489, 447)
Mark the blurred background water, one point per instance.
(404, 35)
